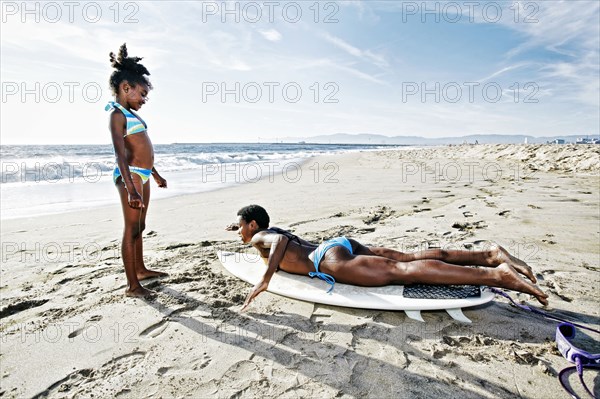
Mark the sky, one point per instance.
(248, 71)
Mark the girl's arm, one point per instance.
(117, 131)
(158, 178)
(277, 243)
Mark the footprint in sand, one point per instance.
(179, 245)
(338, 215)
(557, 290)
(238, 378)
(77, 332)
(84, 382)
(204, 361)
(62, 269)
(587, 266)
(419, 210)
(26, 287)
(465, 226)
(64, 280)
(154, 330)
(21, 306)
(378, 214)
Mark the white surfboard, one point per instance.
(251, 268)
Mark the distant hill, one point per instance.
(344, 138)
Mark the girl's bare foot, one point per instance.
(510, 279)
(145, 274)
(503, 256)
(139, 291)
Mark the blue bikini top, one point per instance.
(135, 124)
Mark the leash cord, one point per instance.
(538, 311)
(579, 367)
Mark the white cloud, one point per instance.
(559, 52)
(365, 55)
(571, 31)
(271, 35)
(343, 45)
(503, 71)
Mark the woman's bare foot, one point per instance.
(139, 291)
(510, 279)
(146, 274)
(501, 255)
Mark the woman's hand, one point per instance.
(258, 288)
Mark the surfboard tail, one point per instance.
(455, 313)
(458, 315)
(415, 315)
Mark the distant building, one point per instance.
(588, 140)
(558, 141)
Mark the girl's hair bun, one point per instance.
(123, 62)
(127, 68)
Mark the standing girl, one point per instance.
(135, 162)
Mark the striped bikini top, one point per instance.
(135, 124)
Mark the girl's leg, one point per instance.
(378, 271)
(140, 267)
(131, 232)
(493, 257)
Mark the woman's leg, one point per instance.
(131, 232)
(493, 257)
(368, 270)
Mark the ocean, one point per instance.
(49, 179)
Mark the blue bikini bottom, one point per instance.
(320, 252)
(144, 174)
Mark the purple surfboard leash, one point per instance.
(565, 331)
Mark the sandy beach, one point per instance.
(67, 330)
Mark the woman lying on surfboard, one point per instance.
(347, 261)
